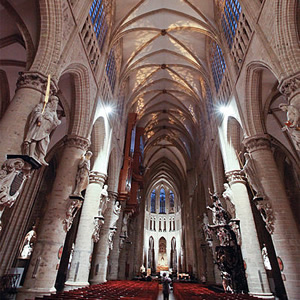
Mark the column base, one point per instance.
(24, 293)
(262, 295)
(97, 281)
(71, 285)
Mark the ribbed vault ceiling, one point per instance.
(164, 62)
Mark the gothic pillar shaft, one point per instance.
(99, 269)
(286, 238)
(30, 89)
(256, 275)
(80, 266)
(41, 274)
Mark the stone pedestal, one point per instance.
(255, 271)
(31, 87)
(286, 237)
(81, 261)
(42, 271)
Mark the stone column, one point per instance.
(286, 237)
(255, 271)
(115, 252)
(42, 271)
(81, 261)
(31, 87)
(99, 269)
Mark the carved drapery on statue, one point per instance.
(13, 174)
(76, 198)
(41, 122)
(28, 244)
(99, 219)
(228, 254)
(260, 199)
(292, 125)
(82, 175)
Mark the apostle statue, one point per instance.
(82, 176)
(103, 201)
(251, 174)
(228, 196)
(27, 245)
(42, 121)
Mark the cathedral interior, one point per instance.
(149, 136)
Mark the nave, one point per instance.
(141, 290)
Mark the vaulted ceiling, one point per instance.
(165, 62)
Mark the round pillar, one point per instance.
(255, 271)
(286, 237)
(82, 255)
(42, 271)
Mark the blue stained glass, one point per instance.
(162, 201)
(153, 196)
(238, 6)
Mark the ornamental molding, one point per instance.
(77, 142)
(257, 142)
(290, 86)
(235, 176)
(36, 81)
(97, 177)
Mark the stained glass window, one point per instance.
(171, 201)
(98, 18)
(111, 69)
(229, 20)
(162, 201)
(218, 65)
(153, 196)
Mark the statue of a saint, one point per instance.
(292, 113)
(116, 213)
(103, 201)
(265, 256)
(82, 176)
(250, 172)
(228, 196)
(42, 121)
(124, 229)
(27, 245)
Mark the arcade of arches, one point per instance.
(141, 136)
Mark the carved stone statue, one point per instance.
(251, 174)
(228, 196)
(27, 245)
(72, 210)
(42, 121)
(13, 174)
(98, 222)
(219, 215)
(82, 176)
(266, 212)
(292, 113)
(124, 229)
(111, 234)
(264, 253)
(116, 214)
(206, 230)
(103, 201)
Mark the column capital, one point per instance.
(290, 86)
(235, 176)
(36, 81)
(257, 142)
(77, 142)
(97, 177)
(113, 195)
